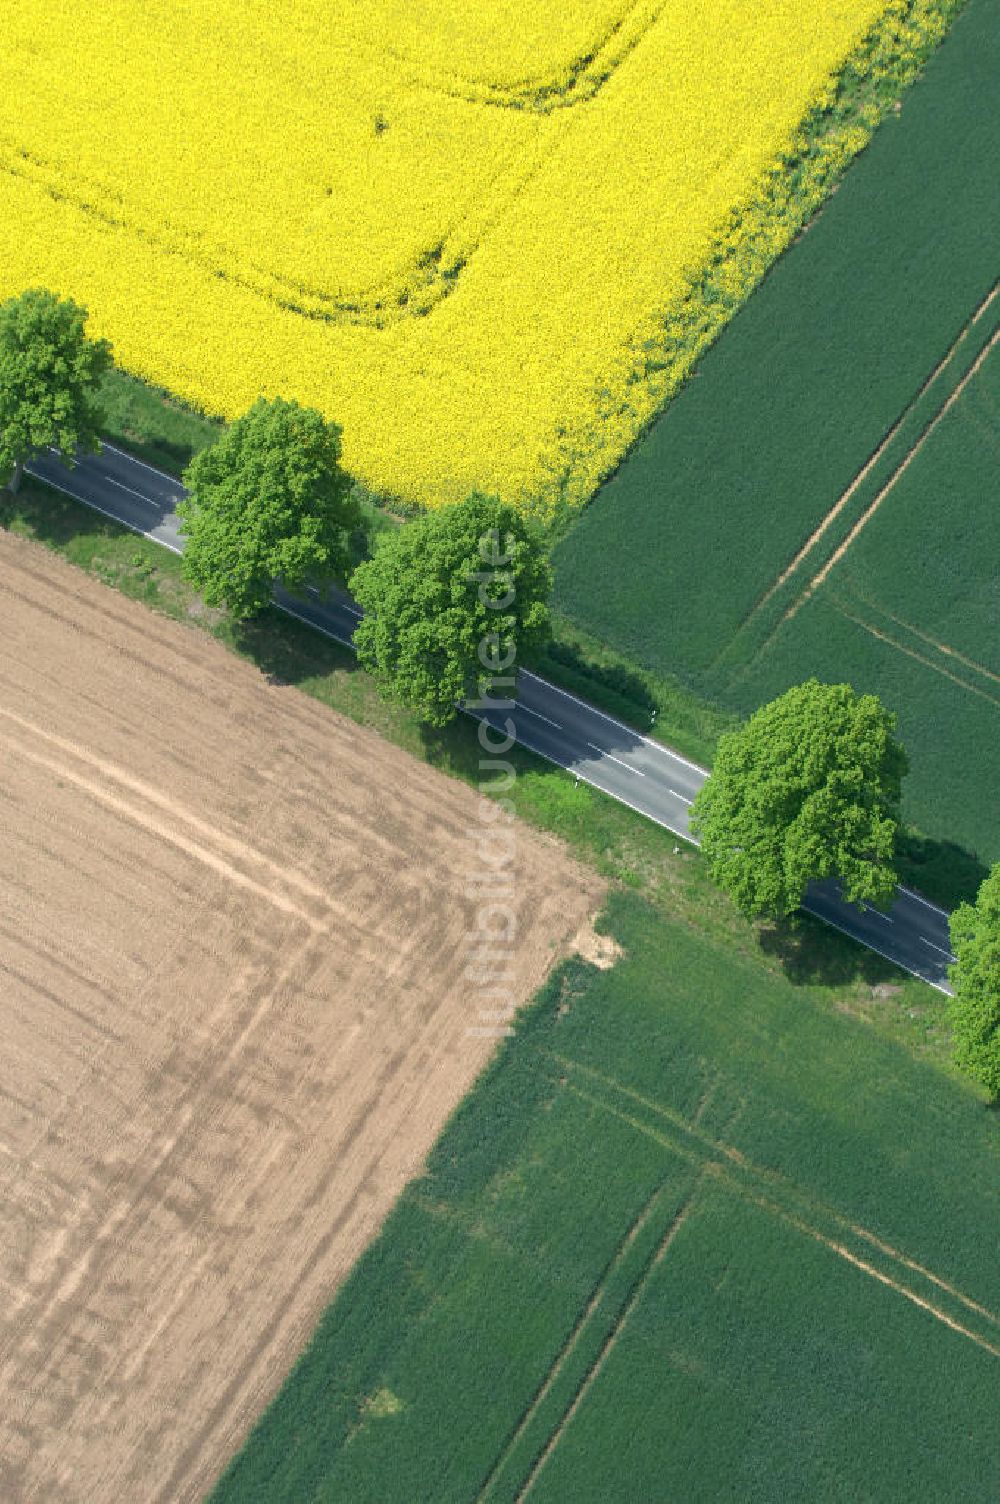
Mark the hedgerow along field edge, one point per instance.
(713, 507)
(689, 1225)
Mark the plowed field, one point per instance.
(234, 1014)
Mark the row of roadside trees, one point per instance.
(808, 788)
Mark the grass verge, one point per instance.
(152, 424)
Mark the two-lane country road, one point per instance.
(630, 767)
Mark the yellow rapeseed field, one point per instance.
(451, 226)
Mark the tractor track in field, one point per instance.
(584, 1319)
(754, 616)
(776, 1193)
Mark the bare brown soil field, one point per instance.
(234, 1019)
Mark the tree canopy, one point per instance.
(268, 504)
(808, 788)
(451, 603)
(49, 373)
(975, 1008)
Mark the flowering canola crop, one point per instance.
(459, 229)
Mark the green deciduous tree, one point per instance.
(808, 788)
(49, 373)
(452, 602)
(975, 1008)
(268, 504)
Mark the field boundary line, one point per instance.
(928, 1274)
(214, 835)
(181, 1125)
(590, 71)
(675, 1118)
(211, 859)
(941, 647)
(376, 305)
(748, 1193)
(116, 774)
(866, 1268)
(569, 1346)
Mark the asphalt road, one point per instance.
(592, 746)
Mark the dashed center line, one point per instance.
(538, 715)
(612, 758)
(122, 487)
(682, 797)
(331, 605)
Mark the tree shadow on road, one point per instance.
(52, 518)
(287, 651)
(456, 749)
(813, 954)
(614, 688)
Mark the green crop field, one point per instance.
(911, 609)
(694, 1235)
(878, 318)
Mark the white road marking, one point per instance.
(344, 641)
(925, 901)
(329, 605)
(148, 500)
(538, 714)
(153, 537)
(618, 798)
(878, 914)
(948, 953)
(612, 758)
(867, 945)
(547, 756)
(667, 751)
(171, 480)
(682, 797)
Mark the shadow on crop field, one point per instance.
(941, 870)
